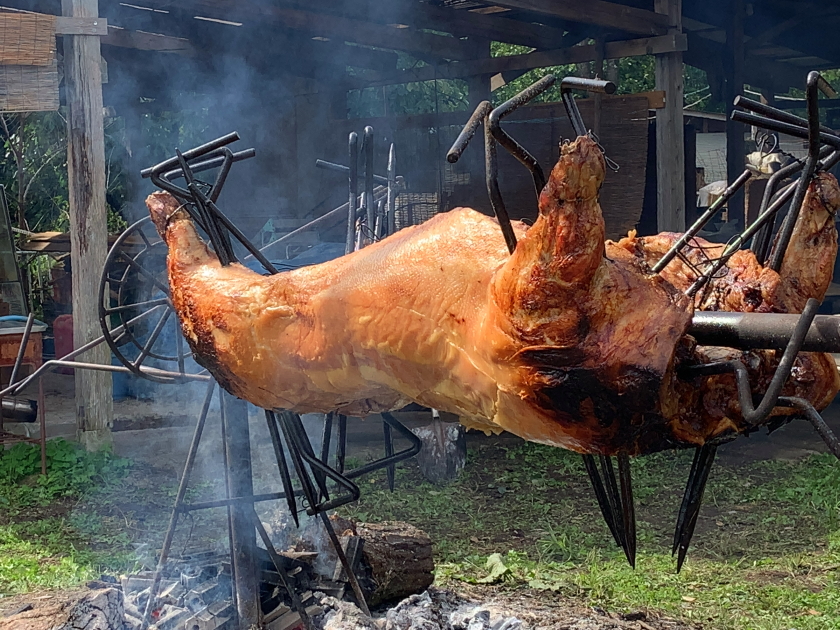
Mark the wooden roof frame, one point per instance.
(418, 28)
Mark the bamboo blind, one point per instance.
(28, 67)
(27, 39)
(29, 88)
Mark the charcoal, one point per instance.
(191, 577)
(332, 588)
(131, 609)
(204, 594)
(140, 598)
(217, 616)
(172, 594)
(292, 621)
(476, 618)
(132, 584)
(416, 612)
(278, 612)
(172, 618)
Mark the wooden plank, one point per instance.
(140, 40)
(670, 149)
(88, 221)
(65, 25)
(541, 59)
(656, 98)
(598, 12)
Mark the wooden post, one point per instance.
(734, 73)
(88, 221)
(670, 155)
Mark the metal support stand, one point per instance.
(240, 483)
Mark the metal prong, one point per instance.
(601, 495)
(616, 506)
(704, 457)
(342, 558)
(282, 465)
(389, 451)
(628, 508)
(341, 446)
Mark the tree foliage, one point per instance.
(34, 170)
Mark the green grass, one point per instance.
(765, 555)
(46, 541)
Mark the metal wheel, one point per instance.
(136, 314)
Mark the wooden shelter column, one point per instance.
(734, 85)
(670, 155)
(88, 221)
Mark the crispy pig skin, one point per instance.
(555, 343)
(568, 341)
(709, 406)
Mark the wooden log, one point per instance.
(398, 557)
(88, 221)
(94, 610)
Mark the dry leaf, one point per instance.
(688, 599)
(815, 613)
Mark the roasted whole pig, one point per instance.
(567, 341)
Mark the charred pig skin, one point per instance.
(568, 341)
(709, 407)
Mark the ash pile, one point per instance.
(196, 592)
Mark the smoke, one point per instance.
(286, 94)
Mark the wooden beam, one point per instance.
(777, 29)
(88, 221)
(607, 14)
(139, 40)
(446, 19)
(799, 103)
(541, 59)
(670, 147)
(709, 55)
(331, 26)
(80, 26)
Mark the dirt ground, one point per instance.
(156, 434)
